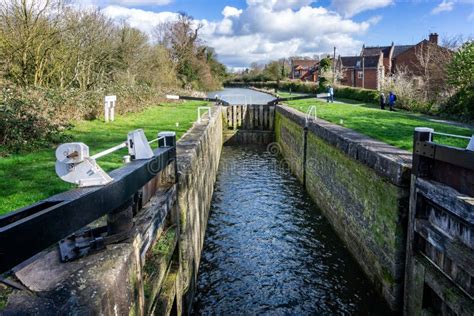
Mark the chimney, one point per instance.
(434, 38)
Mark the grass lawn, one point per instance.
(394, 128)
(30, 177)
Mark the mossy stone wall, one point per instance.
(364, 196)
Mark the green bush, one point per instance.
(25, 124)
(364, 95)
(460, 105)
(461, 78)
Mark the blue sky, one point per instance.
(246, 31)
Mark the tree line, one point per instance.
(50, 44)
(57, 62)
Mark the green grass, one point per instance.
(30, 177)
(394, 128)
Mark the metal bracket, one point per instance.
(75, 165)
(89, 241)
(82, 243)
(425, 149)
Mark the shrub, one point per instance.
(26, 124)
(363, 95)
(461, 78)
(35, 117)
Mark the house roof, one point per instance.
(356, 61)
(305, 63)
(375, 50)
(349, 61)
(398, 49)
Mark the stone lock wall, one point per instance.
(153, 272)
(362, 186)
(198, 157)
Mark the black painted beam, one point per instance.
(28, 231)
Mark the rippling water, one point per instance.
(268, 249)
(242, 96)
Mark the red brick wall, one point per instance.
(347, 79)
(407, 60)
(370, 79)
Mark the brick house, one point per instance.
(426, 53)
(386, 51)
(391, 59)
(354, 67)
(304, 69)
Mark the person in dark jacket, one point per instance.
(382, 101)
(392, 98)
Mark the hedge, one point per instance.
(358, 94)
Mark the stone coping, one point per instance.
(390, 162)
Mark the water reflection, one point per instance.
(268, 249)
(242, 96)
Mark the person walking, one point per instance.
(392, 98)
(382, 101)
(330, 94)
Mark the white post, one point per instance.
(106, 111)
(109, 108)
(112, 111)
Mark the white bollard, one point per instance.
(109, 108)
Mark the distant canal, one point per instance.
(268, 249)
(242, 96)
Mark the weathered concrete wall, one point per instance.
(362, 188)
(152, 271)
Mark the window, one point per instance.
(360, 74)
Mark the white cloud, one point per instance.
(231, 11)
(444, 6)
(375, 19)
(280, 4)
(350, 8)
(264, 30)
(140, 19)
(471, 17)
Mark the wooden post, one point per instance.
(234, 116)
(251, 116)
(271, 116)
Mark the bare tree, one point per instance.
(29, 36)
(430, 67)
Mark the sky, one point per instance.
(247, 31)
